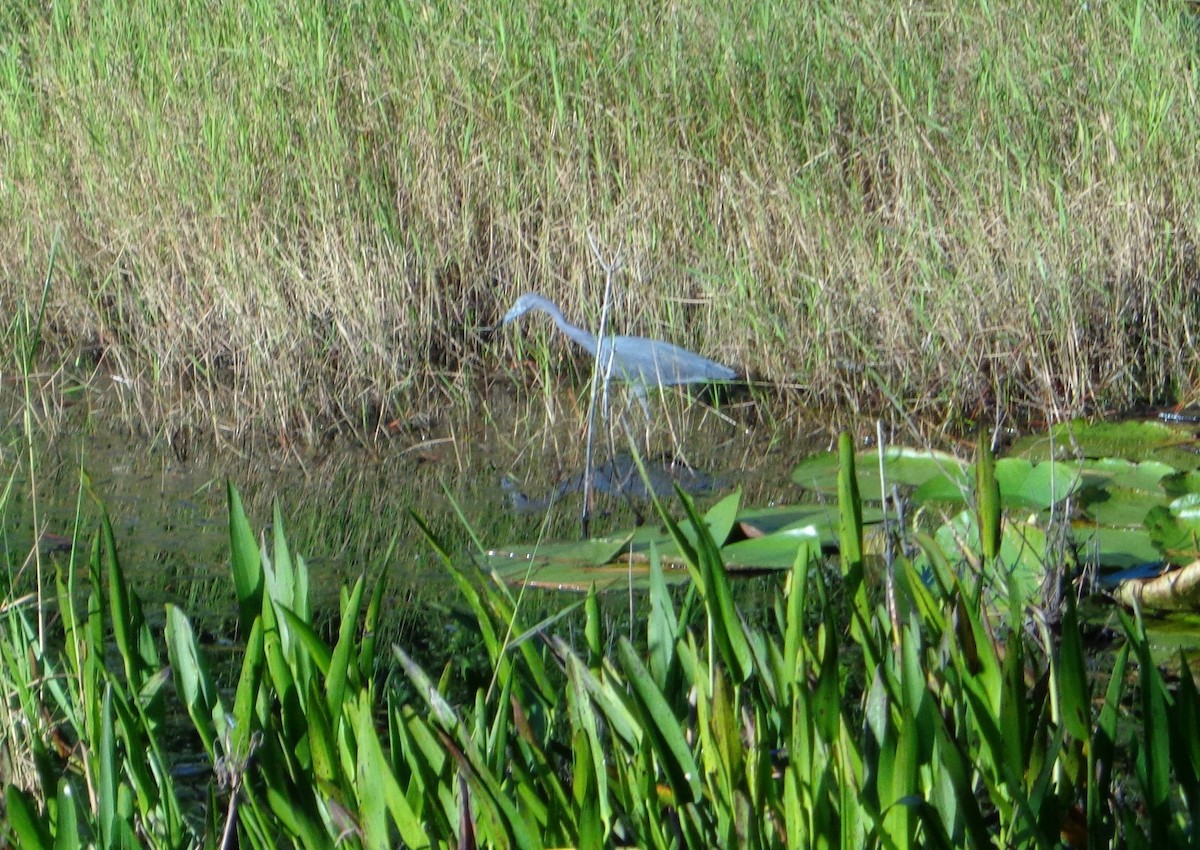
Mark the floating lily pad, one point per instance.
(1146, 477)
(1038, 486)
(1115, 548)
(761, 522)
(576, 565)
(903, 466)
(1135, 441)
(624, 560)
(1120, 508)
(1181, 483)
(777, 550)
(1176, 536)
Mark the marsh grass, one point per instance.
(296, 216)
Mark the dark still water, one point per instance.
(503, 478)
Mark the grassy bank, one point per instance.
(295, 214)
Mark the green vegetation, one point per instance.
(918, 713)
(288, 215)
(1116, 499)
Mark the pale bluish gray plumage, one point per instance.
(635, 359)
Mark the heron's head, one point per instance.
(528, 301)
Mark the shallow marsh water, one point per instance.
(347, 508)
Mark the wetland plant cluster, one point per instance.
(929, 713)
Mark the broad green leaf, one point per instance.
(66, 836)
(1039, 487)
(775, 551)
(901, 466)
(1133, 440)
(1153, 766)
(1177, 537)
(1108, 472)
(26, 822)
(246, 567)
(1115, 548)
(850, 522)
(720, 517)
(662, 627)
(338, 678)
(663, 728)
(192, 679)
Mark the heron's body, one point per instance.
(636, 360)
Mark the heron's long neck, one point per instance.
(579, 335)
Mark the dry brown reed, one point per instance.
(296, 219)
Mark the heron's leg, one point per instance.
(639, 390)
(638, 517)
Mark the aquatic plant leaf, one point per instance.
(1113, 472)
(247, 569)
(67, 836)
(1118, 507)
(193, 682)
(1177, 537)
(818, 473)
(850, 520)
(758, 522)
(1153, 764)
(1075, 696)
(1115, 548)
(988, 478)
(581, 553)
(340, 675)
(663, 728)
(574, 577)
(306, 636)
(901, 466)
(720, 517)
(379, 790)
(775, 551)
(1020, 565)
(1181, 483)
(29, 827)
(1133, 440)
(1039, 486)
(662, 626)
(1103, 747)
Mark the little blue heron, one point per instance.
(636, 360)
